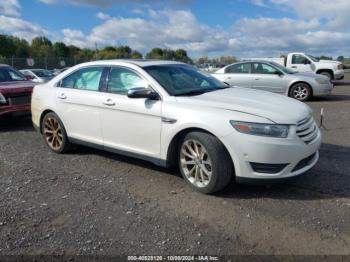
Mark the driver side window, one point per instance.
(300, 60)
(260, 68)
(120, 80)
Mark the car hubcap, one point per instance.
(195, 163)
(53, 133)
(300, 92)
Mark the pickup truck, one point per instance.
(306, 63)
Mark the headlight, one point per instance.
(271, 130)
(322, 81)
(2, 99)
(340, 66)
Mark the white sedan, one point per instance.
(171, 113)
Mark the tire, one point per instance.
(210, 170)
(327, 74)
(54, 133)
(301, 92)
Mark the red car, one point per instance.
(15, 92)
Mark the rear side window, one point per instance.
(87, 79)
(239, 69)
(120, 80)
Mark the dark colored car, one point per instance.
(15, 92)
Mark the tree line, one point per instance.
(42, 47)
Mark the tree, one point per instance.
(41, 47)
(168, 54)
(8, 48)
(340, 58)
(60, 49)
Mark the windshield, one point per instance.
(283, 68)
(314, 59)
(184, 79)
(42, 73)
(8, 75)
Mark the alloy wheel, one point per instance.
(53, 133)
(195, 163)
(300, 92)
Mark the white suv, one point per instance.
(173, 114)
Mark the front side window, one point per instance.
(183, 79)
(239, 69)
(87, 79)
(260, 68)
(120, 80)
(300, 60)
(8, 75)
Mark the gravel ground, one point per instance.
(91, 202)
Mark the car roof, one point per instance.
(138, 62)
(4, 65)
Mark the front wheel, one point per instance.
(54, 133)
(204, 162)
(301, 92)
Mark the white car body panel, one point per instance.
(135, 126)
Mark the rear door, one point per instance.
(78, 100)
(268, 78)
(238, 75)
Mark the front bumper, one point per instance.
(246, 149)
(339, 75)
(322, 89)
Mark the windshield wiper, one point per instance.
(192, 93)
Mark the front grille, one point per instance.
(19, 99)
(307, 130)
(304, 162)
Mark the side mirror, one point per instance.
(142, 92)
(279, 73)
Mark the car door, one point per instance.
(78, 100)
(268, 78)
(130, 124)
(301, 63)
(238, 75)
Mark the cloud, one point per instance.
(21, 28)
(106, 3)
(10, 8)
(103, 16)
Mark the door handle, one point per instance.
(257, 78)
(228, 77)
(294, 67)
(109, 102)
(62, 96)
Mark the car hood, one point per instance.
(16, 86)
(329, 61)
(276, 108)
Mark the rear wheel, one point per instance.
(301, 91)
(54, 133)
(204, 162)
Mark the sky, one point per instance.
(243, 28)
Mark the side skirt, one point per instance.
(156, 161)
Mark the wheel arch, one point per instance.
(326, 70)
(172, 150)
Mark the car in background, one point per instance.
(15, 92)
(333, 70)
(56, 71)
(38, 75)
(174, 114)
(273, 77)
